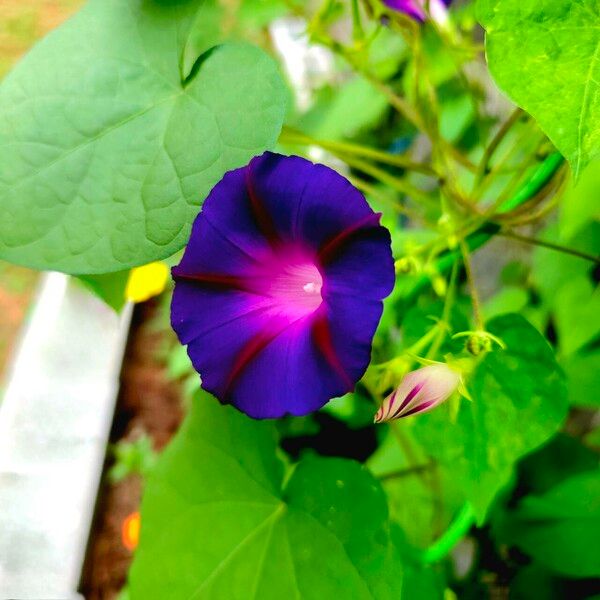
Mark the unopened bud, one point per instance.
(419, 391)
(407, 265)
(477, 343)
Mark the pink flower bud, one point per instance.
(418, 392)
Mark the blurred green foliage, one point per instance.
(132, 458)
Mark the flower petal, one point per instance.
(289, 376)
(352, 322)
(146, 281)
(226, 238)
(221, 334)
(416, 10)
(411, 8)
(344, 272)
(308, 203)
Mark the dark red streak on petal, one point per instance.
(408, 398)
(256, 345)
(333, 246)
(393, 400)
(259, 211)
(419, 408)
(322, 337)
(228, 282)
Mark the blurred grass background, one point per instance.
(22, 23)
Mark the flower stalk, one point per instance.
(448, 540)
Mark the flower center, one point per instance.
(296, 288)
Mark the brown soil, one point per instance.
(23, 22)
(16, 289)
(148, 403)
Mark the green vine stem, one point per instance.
(483, 167)
(289, 135)
(539, 179)
(358, 33)
(475, 303)
(407, 472)
(446, 312)
(448, 540)
(550, 245)
(478, 238)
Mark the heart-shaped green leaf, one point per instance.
(107, 151)
(576, 309)
(560, 528)
(580, 203)
(583, 374)
(545, 54)
(110, 288)
(519, 402)
(219, 521)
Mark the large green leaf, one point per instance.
(220, 21)
(107, 150)
(220, 521)
(110, 288)
(583, 375)
(334, 115)
(535, 581)
(579, 205)
(552, 270)
(576, 309)
(545, 54)
(509, 299)
(561, 458)
(561, 528)
(413, 491)
(519, 401)
(420, 580)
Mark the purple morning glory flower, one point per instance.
(280, 288)
(416, 8)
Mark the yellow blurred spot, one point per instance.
(146, 282)
(130, 531)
